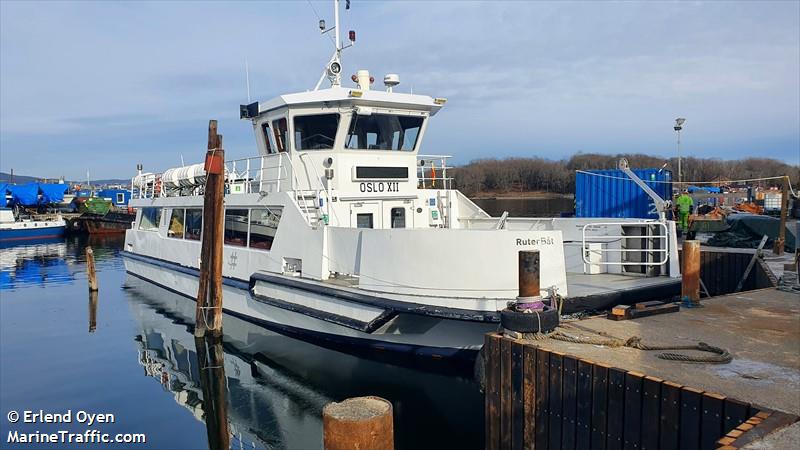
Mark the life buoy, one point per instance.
(130, 210)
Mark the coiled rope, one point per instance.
(720, 355)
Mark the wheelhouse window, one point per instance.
(193, 224)
(398, 217)
(175, 229)
(364, 220)
(120, 198)
(263, 226)
(317, 132)
(265, 131)
(150, 219)
(236, 227)
(279, 127)
(383, 132)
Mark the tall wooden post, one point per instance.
(209, 292)
(690, 286)
(91, 273)
(780, 242)
(92, 311)
(363, 423)
(211, 362)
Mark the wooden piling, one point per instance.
(690, 286)
(780, 242)
(211, 364)
(363, 423)
(528, 267)
(92, 311)
(209, 292)
(91, 273)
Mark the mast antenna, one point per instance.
(247, 78)
(333, 70)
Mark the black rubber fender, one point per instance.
(532, 322)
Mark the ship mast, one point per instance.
(333, 70)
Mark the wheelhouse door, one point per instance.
(398, 214)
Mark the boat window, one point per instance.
(315, 132)
(175, 229)
(280, 128)
(193, 224)
(236, 227)
(364, 220)
(383, 132)
(150, 219)
(265, 130)
(398, 217)
(120, 198)
(263, 226)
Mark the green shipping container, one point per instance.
(94, 205)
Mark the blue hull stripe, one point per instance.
(19, 234)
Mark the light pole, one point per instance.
(678, 127)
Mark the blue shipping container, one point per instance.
(611, 193)
(118, 197)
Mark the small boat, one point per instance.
(19, 228)
(112, 222)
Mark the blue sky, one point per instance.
(101, 86)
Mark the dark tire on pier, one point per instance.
(531, 322)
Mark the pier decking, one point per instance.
(760, 328)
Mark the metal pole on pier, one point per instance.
(690, 285)
(528, 275)
(363, 423)
(91, 274)
(208, 317)
(781, 241)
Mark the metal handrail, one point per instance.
(585, 250)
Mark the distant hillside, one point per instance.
(22, 179)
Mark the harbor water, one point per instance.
(129, 352)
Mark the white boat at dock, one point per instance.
(341, 232)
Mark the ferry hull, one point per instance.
(422, 336)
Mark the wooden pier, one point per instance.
(552, 394)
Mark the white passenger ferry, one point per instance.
(340, 231)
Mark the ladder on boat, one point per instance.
(308, 202)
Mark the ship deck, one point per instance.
(604, 290)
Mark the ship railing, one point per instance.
(432, 172)
(242, 176)
(267, 173)
(650, 242)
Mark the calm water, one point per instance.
(527, 207)
(130, 352)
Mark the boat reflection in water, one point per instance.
(40, 263)
(276, 386)
(54, 262)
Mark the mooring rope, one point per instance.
(721, 356)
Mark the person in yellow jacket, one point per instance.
(685, 205)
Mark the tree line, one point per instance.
(544, 175)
